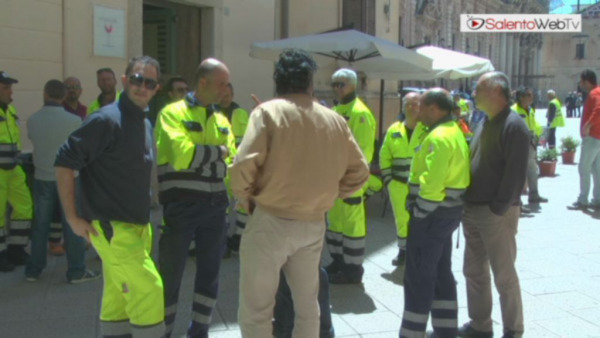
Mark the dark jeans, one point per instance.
(205, 222)
(46, 202)
(552, 137)
(284, 308)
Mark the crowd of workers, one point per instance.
(448, 161)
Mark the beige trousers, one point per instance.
(269, 245)
(490, 241)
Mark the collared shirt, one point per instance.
(113, 152)
(80, 111)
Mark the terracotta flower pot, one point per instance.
(547, 168)
(568, 157)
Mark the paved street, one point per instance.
(558, 264)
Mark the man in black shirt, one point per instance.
(499, 153)
(113, 153)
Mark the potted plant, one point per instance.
(547, 162)
(568, 147)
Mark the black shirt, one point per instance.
(499, 155)
(113, 152)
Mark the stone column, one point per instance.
(516, 60)
(508, 55)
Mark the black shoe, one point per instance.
(333, 267)
(233, 244)
(400, 259)
(537, 200)
(525, 210)
(16, 255)
(342, 278)
(5, 265)
(467, 331)
(577, 206)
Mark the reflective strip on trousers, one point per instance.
(170, 312)
(241, 219)
(115, 329)
(7, 160)
(18, 232)
(354, 250)
(444, 305)
(217, 169)
(9, 147)
(444, 322)
(192, 185)
(55, 232)
(406, 333)
(401, 242)
(200, 318)
(149, 331)
(418, 318)
(334, 242)
(206, 301)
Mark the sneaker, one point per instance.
(577, 206)
(88, 275)
(32, 279)
(56, 249)
(537, 200)
(467, 331)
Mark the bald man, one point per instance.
(397, 151)
(195, 144)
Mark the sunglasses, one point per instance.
(181, 90)
(73, 87)
(137, 80)
(338, 85)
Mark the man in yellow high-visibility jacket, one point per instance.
(524, 100)
(107, 82)
(555, 117)
(13, 186)
(439, 176)
(195, 144)
(347, 220)
(397, 151)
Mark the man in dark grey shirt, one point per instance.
(499, 153)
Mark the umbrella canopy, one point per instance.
(362, 51)
(446, 64)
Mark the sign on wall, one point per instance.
(109, 32)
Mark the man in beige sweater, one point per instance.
(296, 158)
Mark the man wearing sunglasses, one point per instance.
(347, 220)
(195, 144)
(112, 151)
(107, 82)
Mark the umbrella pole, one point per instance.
(381, 92)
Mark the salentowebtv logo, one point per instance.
(510, 23)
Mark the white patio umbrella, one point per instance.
(360, 51)
(363, 52)
(446, 64)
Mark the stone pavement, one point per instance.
(558, 263)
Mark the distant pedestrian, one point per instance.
(107, 83)
(589, 160)
(499, 153)
(555, 118)
(578, 104)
